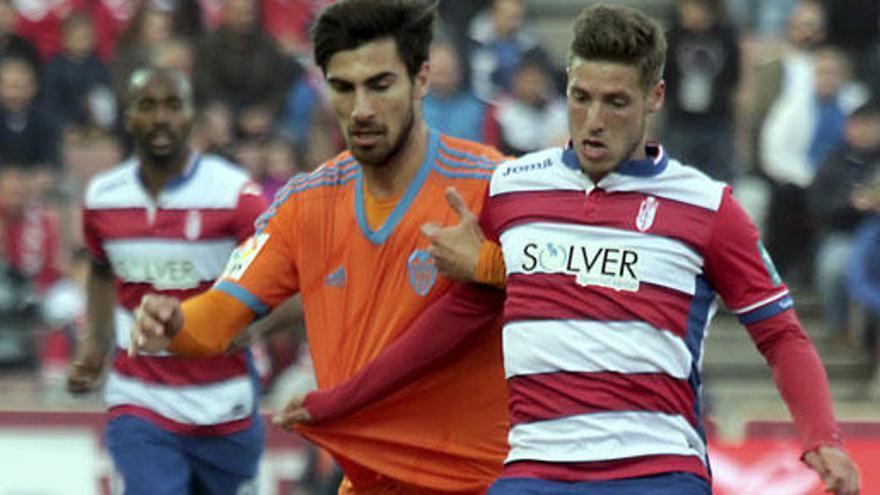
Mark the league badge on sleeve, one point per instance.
(421, 271)
(243, 256)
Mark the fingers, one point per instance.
(152, 318)
(80, 380)
(836, 469)
(430, 230)
(458, 205)
(292, 414)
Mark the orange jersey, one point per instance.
(360, 288)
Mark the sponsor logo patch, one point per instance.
(605, 266)
(161, 274)
(243, 256)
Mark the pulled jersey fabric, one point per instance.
(360, 288)
(175, 246)
(611, 288)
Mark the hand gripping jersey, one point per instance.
(176, 246)
(360, 288)
(611, 287)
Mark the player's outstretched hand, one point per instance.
(837, 470)
(156, 320)
(86, 369)
(456, 249)
(293, 413)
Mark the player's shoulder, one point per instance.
(686, 184)
(464, 162)
(338, 171)
(539, 170)
(222, 170)
(112, 188)
(466, 150)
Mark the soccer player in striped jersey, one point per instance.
(616, 255)
(347, 238)
(166, 221)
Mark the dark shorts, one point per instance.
(662, 484)
(154, 461)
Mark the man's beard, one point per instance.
(383, 160)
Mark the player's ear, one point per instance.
(420, 81)
(656, 96)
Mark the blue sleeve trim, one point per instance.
(240, 293)
(772, 309)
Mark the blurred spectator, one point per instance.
(801, 127)
(304, 103)
(765, 18)
(702, 73)
(150, 26)
(76, 86)
(270, 162)
(288, 22)
(854, 26)
(30, 263)
(213, 131)
(533, 116)
(11, 44)
(455, 19)
(40, 21)
(240, 65)
(835, 202)
(500, 39)
(792, 71)
(174, 53)
(28, 136)
(450, 107)
(863, 271)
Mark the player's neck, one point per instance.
(391, 179)
(156, 175)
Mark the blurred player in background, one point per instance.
(615, 256)
(347, 238)
(165, 221)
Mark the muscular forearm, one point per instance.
(800, 377)
(437, 332)
(99, 308)
(211, 321)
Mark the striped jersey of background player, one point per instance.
(165, 221)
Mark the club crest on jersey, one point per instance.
(647, 212)
(421, 271)
(192, 227)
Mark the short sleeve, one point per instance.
(262, 271)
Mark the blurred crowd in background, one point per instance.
(776, 97)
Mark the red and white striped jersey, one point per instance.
(176, 245)
(611, 288)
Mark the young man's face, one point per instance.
(160, 119)
(374, 99)
(607, 113)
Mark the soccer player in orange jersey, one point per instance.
(347, 238)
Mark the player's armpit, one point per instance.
(211, 321)
(490, 267)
